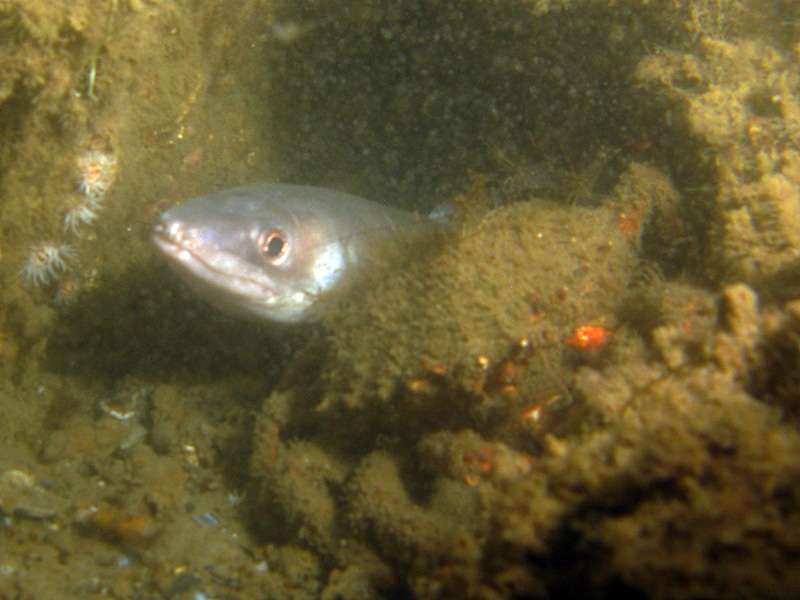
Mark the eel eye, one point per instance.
(273, 246)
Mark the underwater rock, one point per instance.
(483, 315)
(22, 497)
(294, 489)
(356, 446)
(740, 100)
(402, 531)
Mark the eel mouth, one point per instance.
(212, 267)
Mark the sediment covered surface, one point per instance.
(585, 388)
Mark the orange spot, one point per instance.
(471, 479)
(478, 460)
(589, 337)
(438, 370)
(116, 526)
(534, 414)
(535, 316)
(420, 386)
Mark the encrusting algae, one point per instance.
(640, 470)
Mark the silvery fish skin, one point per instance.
(276, 251)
